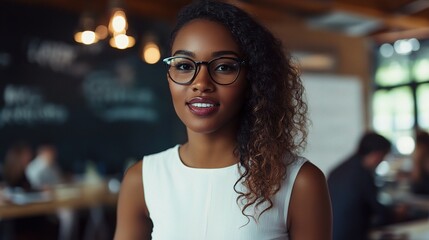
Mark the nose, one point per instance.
(202, 81)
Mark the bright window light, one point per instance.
(405, 145)
(423, 105)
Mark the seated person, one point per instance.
(354, 193)
(17, 158)
(420, 170)
(39, 227)
(43, 172)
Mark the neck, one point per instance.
(209, 150)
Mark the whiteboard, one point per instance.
(335, 105)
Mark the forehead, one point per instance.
(203, 35)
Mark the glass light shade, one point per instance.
(102, 32)
(86, 37)
(122, 41)
(151, 53)
(118, 22)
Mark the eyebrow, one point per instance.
(215, 54)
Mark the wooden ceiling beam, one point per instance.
(166, 10)
(390, 37)
(309, 6)
(268, 9)
(160, 9)
(260, 12)
(392, 21)
(74, 6)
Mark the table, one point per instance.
(410, 230)
(72, 196)
(63, 200)
(413, 230)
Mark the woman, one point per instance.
(241, 101)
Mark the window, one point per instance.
(400, 102)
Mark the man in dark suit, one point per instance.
(354, 193)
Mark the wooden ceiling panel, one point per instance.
(387, 6)
(305, 7)
(394, 14)
(159, 9)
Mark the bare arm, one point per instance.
(310, 214)
(133, 220)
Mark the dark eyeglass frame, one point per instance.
(198, 68)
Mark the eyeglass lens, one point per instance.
(222, 70)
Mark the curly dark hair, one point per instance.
(274, 119)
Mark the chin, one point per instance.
(202, 129)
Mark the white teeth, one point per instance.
(202, 105)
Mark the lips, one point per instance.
(201, 106)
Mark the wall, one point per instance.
(95, 103)
(337, 98)
(351, 54)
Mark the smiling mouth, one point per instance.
(203, 109)
(203, 105)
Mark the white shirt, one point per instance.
(200, 204)
(41, 174)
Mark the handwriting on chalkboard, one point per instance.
(112, 100)
(25, 105)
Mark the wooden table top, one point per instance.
(72, 196)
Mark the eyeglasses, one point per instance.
(222, 70)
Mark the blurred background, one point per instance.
(84, 79)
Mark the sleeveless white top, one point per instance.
(200, 204)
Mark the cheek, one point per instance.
(242, 92)
(176, 96)
(173, 93)
(235, 99)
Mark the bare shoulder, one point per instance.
(133, 220)
(310, 179)
(310, 215)
(132, 187)
(133, 175)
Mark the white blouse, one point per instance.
(200, 204)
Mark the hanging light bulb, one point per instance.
(118, 22)
(118, 27)
(89, 37)
(122, 41)
(86, 33)
(151, 53)
(101, 31)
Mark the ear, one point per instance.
(380, 155)
(372, 159)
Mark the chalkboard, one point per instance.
(95, 103)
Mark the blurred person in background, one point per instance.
(42, 172)
(420, 171)
(354, 193)
(17, 158)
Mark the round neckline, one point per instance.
(184, 166)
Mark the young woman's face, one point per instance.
(205, 106)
